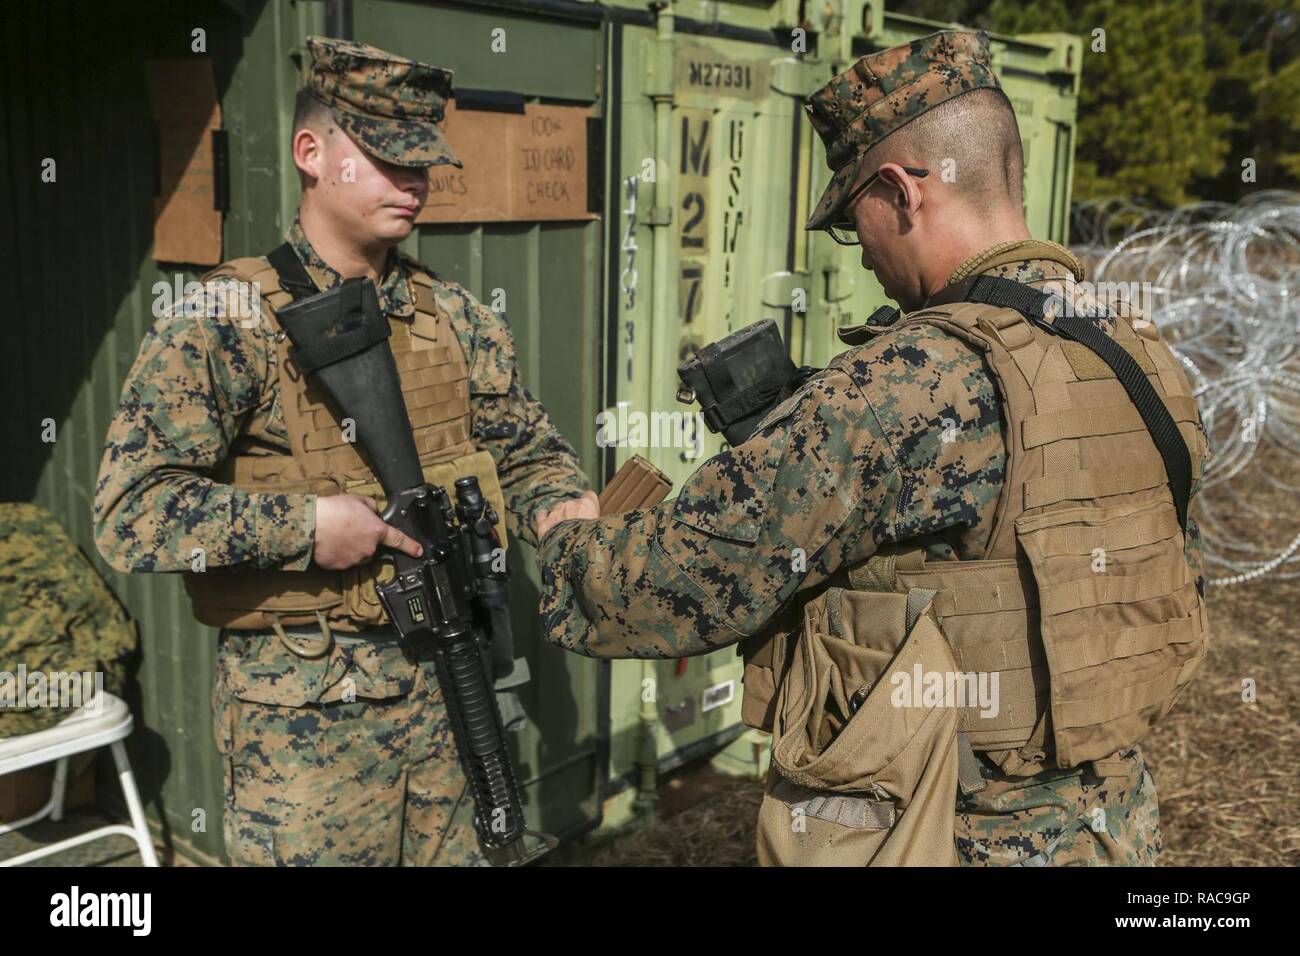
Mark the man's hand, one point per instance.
(588, 506)
(349, 529)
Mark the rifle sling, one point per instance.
(293, 275)
(296, 281)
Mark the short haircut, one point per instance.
(978, 133)
(309, 111)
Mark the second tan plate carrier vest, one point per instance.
(1083, 604)
(434, 375)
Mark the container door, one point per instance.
(710, 241)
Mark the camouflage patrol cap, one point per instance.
(393, 107)
(885, 91)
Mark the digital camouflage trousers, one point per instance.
(359, 782)
(1062, 818)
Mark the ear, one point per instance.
(308, 149)
(907, 190)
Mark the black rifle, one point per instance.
(448, 601)
(739, 379)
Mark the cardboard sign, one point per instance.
(518, 168)
(183, 100)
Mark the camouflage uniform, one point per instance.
(899, 439)
(57, 616)
(346, 757)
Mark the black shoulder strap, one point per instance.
(293, 276)
(1033, 305)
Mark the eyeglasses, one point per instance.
(845, 230)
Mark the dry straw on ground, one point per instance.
(1225, 768)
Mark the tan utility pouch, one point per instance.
(1123, 624)
(862, 773)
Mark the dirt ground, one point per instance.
(1225, 768)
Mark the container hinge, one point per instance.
(660, 68)
(839, 283)
(794, 77)
(596, 165)
(785, 290)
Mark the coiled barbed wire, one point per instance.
(1222, 283)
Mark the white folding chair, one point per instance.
(104, 720)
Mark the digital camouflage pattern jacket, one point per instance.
(202, 382)
(896, 439)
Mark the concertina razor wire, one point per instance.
(1222, 283)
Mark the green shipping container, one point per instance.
(701, 171)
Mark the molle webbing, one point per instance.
(434, 377)
(1084, 604)
(982, 607)
(1034, 305)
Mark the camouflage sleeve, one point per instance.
(536, 465)
(750, 527)
(194, 382)
(886, 444)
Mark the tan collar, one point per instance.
(1019, 250)
(1004, 253)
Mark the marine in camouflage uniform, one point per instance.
(898, 440)
(346, 756)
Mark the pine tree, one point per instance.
(1186, 92)
(1253, 50)
(1146, 129)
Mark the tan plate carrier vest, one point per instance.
(1083, 605)
(434, 375)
